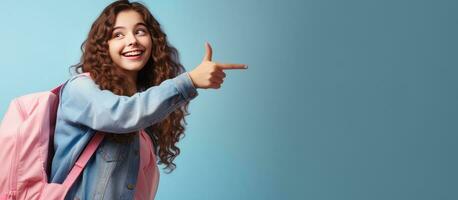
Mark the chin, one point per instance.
(132, 68)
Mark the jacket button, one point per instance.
(136, 152)
(130, 186)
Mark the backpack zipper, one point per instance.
(13, 175)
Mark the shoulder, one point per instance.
(79, 83)
(80, 80)
(78, 87)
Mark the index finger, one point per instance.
(231, 66)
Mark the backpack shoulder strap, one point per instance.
(87, 152)
(83, 159)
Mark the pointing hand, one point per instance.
(210, 74)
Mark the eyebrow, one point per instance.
(122, 27)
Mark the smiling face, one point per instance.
(130, 43)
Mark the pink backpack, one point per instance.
(26, 134)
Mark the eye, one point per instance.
(117, 35)
(142, 32)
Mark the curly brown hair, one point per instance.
(163, 64)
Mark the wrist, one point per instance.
(192, 80)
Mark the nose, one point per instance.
(131, 40)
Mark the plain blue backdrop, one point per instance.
(350, 100)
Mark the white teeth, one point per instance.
(133, 53)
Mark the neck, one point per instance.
(133, 83)
(132, 79)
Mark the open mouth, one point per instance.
(131, 55)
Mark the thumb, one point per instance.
(208, 52)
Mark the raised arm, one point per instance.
(84, 103)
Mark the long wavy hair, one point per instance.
(163, 64)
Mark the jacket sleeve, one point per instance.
(83, 102)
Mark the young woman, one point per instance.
(137, 91)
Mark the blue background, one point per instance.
(345, 100)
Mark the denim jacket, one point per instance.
(84, 109)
